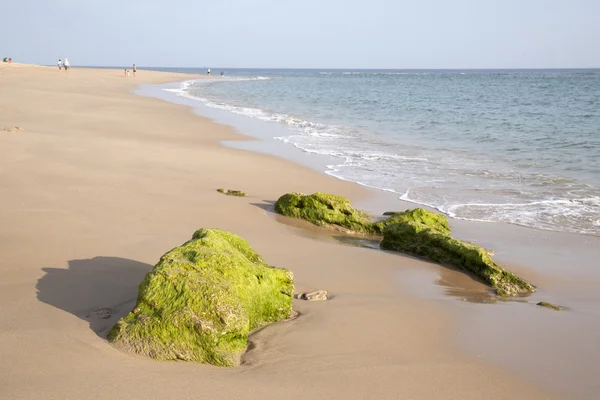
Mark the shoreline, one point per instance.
(104, 181)
(540, 209)
(376, 200)
(259, 141)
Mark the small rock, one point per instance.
(101, 313)
(229, 192)
(315, 295)
(392, 213)
(13, 129)
(549, 305)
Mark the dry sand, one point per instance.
(102, 182)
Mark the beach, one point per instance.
(101, 182)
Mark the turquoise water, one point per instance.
(521, 147)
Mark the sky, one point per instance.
(432, 34)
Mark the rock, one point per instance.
(418, 232)
(228, 192)
(427, 234)
(550, 306)
(332, 211)
(433, 220)
(325, 210)
(14, 129)
(315, 295)
(101, 313)
(202, 299)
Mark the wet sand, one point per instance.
(102, 182)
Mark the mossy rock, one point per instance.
(427, 234)
(433, 220)
(202, 299)
(229, 192)
(324, 209)
(418, 231)
(329, 211)
(549, 305)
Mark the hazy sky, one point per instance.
(303, 34)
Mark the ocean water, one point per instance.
(516, 146)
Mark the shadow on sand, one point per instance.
(99, 290)
(267, 205)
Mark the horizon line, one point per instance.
(353, 69)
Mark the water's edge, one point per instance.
(384, 141)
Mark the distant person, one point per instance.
(222, 73)
(208, 72)
(9, 59)
(5, 59)
(60, 64)
(66, 64)
(134, 70)
(125, 72)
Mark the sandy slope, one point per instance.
(102, 182)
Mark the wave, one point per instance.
(577, 215)
(366, 155)
(244, 78)
(419, 73)
(307, 128)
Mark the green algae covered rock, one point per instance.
(324, 209)
(230, 192)
(202, 299)
(418, 231)
(427, 234)
(550, 306)
(433, 220)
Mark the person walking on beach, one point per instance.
(60, 64)
(66, 64)
(208, 72)
(134, 70)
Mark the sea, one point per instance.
(514, 146)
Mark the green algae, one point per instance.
(230, 192)
(418, 232)
(202, 299)
(427, 234)
(325, 210)
(419, 215)
(549, 305)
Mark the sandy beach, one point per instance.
(101, 182)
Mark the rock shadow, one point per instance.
(99, 290)
(267, 205)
